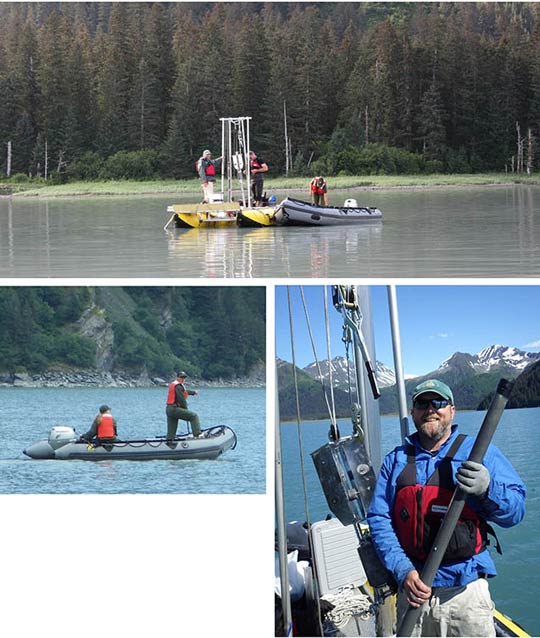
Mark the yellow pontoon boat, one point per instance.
(197, 215)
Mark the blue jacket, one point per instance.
(504, 505)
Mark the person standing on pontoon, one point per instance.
(208, 168)
(257, 168)
(177, 407)
(103, 427)
(319, 191)
(413, 492)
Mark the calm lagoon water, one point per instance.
(515, 589)
(28, 414)
(457, 232)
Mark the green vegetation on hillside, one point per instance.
(34, 328)
(526, 390)
(311, 396)
(213, 332)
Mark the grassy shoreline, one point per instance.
(189, 186)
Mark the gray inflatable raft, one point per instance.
(64, 444)
(293, 212)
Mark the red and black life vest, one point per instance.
(419, 510)
(315, 188)
(105, 429)
(209, 169)
(171, 395)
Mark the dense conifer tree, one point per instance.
(111, 77)
(115, 75)
(53, 87)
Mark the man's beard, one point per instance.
(434, 430)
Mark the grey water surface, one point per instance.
(441, 232)
(29, 413)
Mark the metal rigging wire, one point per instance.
(331, 408)
(330, 378)
(301, 450)
(298, 415)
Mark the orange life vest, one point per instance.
(315, 188)
(171, 395)
(105, 429)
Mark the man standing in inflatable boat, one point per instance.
(177, 407)
(413, 491)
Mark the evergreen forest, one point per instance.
(212, 332)
(135, 90)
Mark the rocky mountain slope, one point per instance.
(54, 335)
(473, 379)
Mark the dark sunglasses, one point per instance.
(436, 404)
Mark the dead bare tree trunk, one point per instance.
(46, 161)
(519, 159)
(8, 167)
(61, 163)
(366, 124)
(287, 158)
(529, 151)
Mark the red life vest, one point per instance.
(171, 395)
(209, 169)
(105, 429)
(315, 188)
(419, 510)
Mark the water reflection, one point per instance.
(479, 232)
(272, 252)
(213, 249)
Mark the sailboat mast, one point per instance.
(281, 527)
(398, 363)
(370, 409)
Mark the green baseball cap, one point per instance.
(435, 386)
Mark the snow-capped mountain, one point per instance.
(504, 359)
(490, 359)
(385, 375)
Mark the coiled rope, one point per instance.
(348, 602)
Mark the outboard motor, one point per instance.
(350, 203)
(59, 436)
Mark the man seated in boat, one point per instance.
(413, 492)
(319, 191)
(103, 427)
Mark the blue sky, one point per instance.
(435, 322)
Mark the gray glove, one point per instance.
(473, 478)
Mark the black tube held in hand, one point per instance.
(478, 451)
